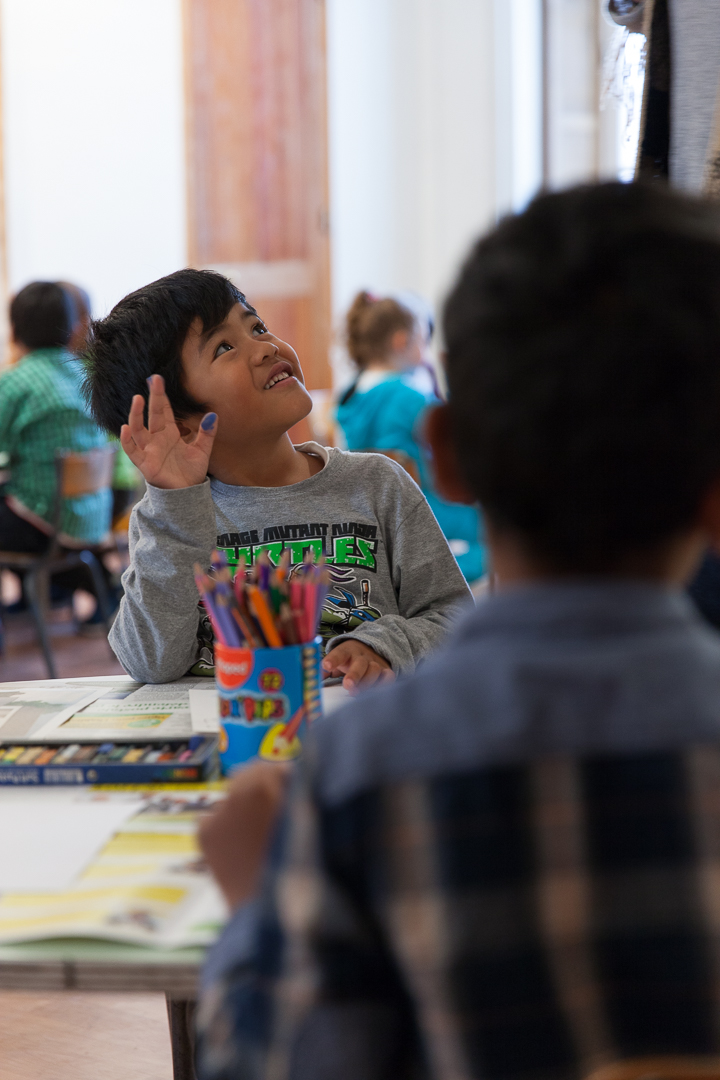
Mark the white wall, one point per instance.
(412, 132)
(518, 102)
(93, 142)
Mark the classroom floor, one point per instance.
(74, 655)
(68, 1036)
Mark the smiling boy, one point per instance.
(222, 393)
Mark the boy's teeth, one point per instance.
(276, 378)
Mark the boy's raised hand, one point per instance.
(160, 452)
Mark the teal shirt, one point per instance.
(42, 410)
(389, 416)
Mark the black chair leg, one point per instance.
(36, 607)
(181, 1016)
(101, 593)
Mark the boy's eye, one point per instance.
(222, 347)
(260, 328)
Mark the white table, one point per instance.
(80, 964)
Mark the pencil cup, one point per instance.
(267, 698)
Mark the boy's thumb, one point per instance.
(208, 424)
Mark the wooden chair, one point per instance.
(660, 1067)
(77, 474)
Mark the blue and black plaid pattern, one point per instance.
(531, 921)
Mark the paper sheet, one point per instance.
(154, 712)
(48, 837)
(147, 886)
(25, 713)
(333, 697)
(204, 711)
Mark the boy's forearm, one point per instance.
(431, 593)
(155, 633)
(403, 642)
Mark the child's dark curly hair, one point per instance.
(143, 335)
(583, 342)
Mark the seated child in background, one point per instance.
(126, 478)
(385, 410)
(42, 410)
(222, 393)
(504, 866)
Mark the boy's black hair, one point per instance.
(583, 341)
(143, 335)
(42, 315)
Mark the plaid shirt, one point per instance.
(42, 410)
(522, 884)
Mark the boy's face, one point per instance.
(249, 377)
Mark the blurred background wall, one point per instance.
(307, 147)
(93, 142)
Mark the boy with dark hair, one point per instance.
(221, 393)
(506, 866)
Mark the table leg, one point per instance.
(181, 1017)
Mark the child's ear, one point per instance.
(448, 478)
(399, 341)
(188, 429)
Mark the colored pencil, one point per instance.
(265, 607)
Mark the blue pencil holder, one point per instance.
(267, 699)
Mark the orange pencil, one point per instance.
(261, 611)
(292, 725)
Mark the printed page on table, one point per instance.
(27, 710)
(49, 836)
(147, 886)
(122, 714)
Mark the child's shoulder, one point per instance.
(376, 472)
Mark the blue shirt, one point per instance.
(389, 415)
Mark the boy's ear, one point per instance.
(448, 478)
(188, 429)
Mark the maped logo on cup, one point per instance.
(233, 667)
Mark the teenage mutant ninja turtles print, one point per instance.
(350, 553)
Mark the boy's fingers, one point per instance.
(157, 403)
(235, 835)
(129, 445)
(356, 672)
(135, 421)
(206, 433)
(338, 660)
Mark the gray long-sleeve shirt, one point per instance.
(395, 583)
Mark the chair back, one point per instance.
(86, 473)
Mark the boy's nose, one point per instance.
(266, 351)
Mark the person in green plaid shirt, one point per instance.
(42, 410)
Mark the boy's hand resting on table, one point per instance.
(235, 837)
(360, 665)
(160, 450)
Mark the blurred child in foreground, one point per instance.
(385, 408)
(504, 866)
